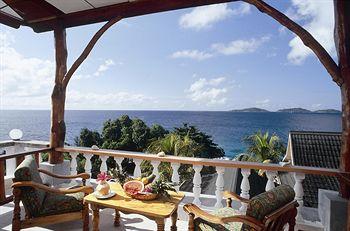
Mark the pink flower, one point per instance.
(103, 176)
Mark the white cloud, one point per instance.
(104, 67)
(240, 46)
(192, 54)
(317, 17)
(205, 16)
(209, 92)
(23, 78)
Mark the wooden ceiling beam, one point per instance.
(10, 20)
(124, 10)
(34, 9)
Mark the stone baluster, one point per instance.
(104, 167)
(270, 184)
(155, 164)
(73, 163)
(299, 192)
(219, 186)
(175, 178)
(245, 187)
(197, 181)
(118, 161)
(10, 163)
(137, 171)
(88, 163)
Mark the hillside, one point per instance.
(294, 110)
(328, 111)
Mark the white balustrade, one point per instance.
(155, 165)
(88, 163)
(197, 181)
(73, 163)
(219, 186)
(137, 171)
(245, 187)
(119, 161)
(104, 167)
(270, 184)
(10, 163)
(175, 178)
(299, 192)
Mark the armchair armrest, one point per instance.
(231, 195)
(84, 176)
(85, 189)
(193, 210)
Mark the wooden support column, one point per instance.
(342, 42)
(58, 97)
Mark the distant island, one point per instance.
(251, 109)
(287, 110)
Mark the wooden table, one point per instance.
(157, 210)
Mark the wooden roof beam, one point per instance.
(123, 10)
(34, 9)
(10, 20)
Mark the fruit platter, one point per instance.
(145, 188)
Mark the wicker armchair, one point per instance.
(45, 205)
(271, 210)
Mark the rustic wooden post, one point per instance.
(58, 97)
(342, 42)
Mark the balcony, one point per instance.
(307, 218)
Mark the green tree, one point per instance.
(157, 132)
(140, 134)
(87, 138)
(262, 146)
(209, 148)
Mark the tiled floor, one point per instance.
(128, 222)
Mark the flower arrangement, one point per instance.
(103, 187)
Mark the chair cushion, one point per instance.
(268, 202)
(32, 199)
(61, 203)
(202, 225)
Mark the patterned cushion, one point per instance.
(267, 202)
(59, 203)
(32, 198)
(202, 225)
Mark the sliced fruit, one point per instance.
(133, 187)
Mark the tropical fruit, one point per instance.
(133, 187)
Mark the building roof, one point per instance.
(46, 15)
(314, 149)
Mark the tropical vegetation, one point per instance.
(129, 134)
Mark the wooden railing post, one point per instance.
(2, 181)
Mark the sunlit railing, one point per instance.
(15, 152)
(198, 163)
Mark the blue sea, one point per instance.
(226, 128)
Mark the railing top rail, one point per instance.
(25, 153)
(202, 161)
(26, 143)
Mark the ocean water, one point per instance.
(226, 128)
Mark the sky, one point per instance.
(217, 57)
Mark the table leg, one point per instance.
(117, 218)
(173, 221)
(86, 217)
(95, 217)
(160, 224)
